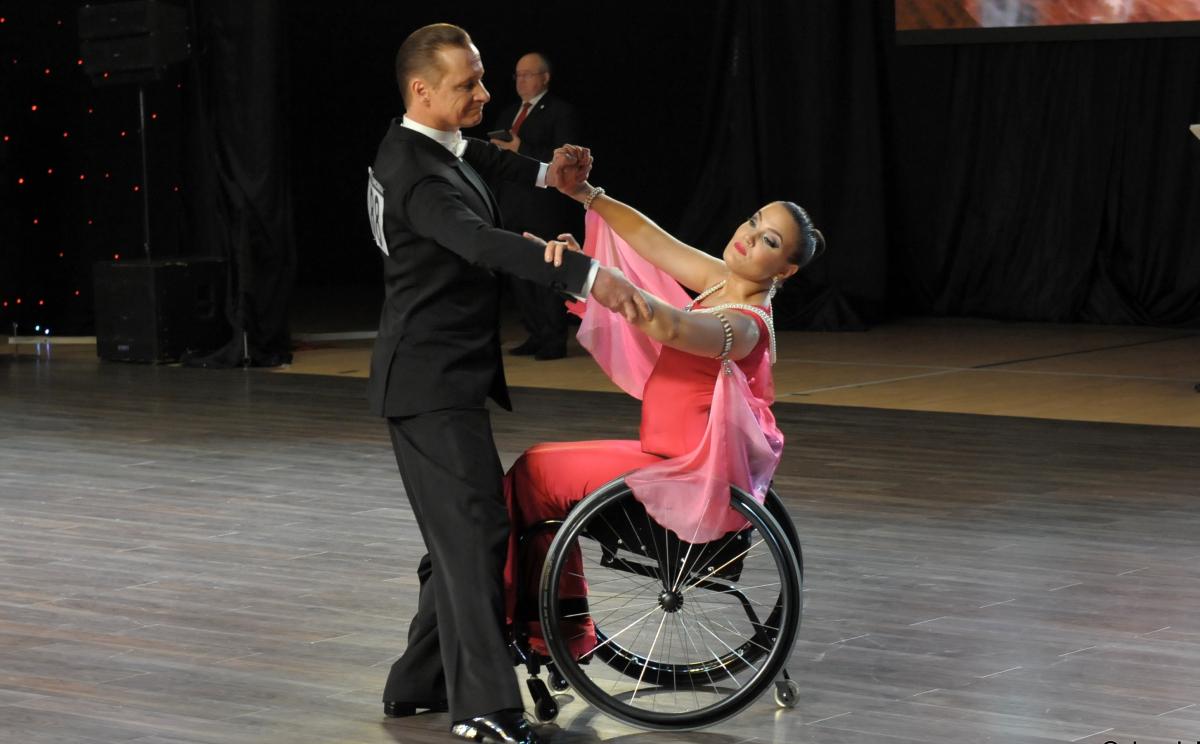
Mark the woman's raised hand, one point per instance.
(569, 169)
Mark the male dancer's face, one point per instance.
(456, 101)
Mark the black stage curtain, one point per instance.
(1035, 181)
(1050, 181)
(243, 193)
(794, 112)
(1047, 181)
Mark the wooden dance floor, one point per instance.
(227, 557)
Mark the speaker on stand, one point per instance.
(147, 310)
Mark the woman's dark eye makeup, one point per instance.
(768, 239)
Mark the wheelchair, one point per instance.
(686, 635)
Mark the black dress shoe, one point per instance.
(501, 727)
(528, 347)
(402, 709)
(551, 351)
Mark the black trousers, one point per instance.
(543, 312)
(456, 645)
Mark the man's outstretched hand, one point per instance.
(569, 168)
(612, 290)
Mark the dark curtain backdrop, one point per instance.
(1047, 181)
(71, 184)
(793, 110)
(1040, 181)
(242, 192)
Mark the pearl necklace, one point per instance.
(762, 314)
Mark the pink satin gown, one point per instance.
(550, 478)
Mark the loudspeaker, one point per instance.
(131, 42)
(152, 311)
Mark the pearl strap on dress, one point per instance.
(762, 314)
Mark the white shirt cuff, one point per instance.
(541, 179)
(587, 285)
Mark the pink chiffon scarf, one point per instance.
(741, 446)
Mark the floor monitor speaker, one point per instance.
(153, 311)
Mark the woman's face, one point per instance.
(762, 245)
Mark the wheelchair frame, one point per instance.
(701, 566)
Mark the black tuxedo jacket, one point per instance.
(544, 212)
(439, 341)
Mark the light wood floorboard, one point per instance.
(1119, 374)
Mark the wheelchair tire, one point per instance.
(709, 643)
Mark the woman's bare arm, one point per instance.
(701, 334)
(697, 333)
(689, 266)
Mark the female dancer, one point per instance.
(728, 324)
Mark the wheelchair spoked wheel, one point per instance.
(688, 635)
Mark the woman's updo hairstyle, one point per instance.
(812, 243)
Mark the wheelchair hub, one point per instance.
(670, 601)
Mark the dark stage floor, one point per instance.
(201, 556)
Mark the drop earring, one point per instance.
(773, 289)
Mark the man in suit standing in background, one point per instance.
(539, 122)
(436, 360)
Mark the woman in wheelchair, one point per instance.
(701, 431)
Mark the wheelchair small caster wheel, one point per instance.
(558, 682)
(787, 693)
(545, 707)
(545, 710)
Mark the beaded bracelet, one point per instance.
(591, 197)
(727, 346)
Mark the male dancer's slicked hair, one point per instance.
(417, 56)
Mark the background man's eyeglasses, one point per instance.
(524, 75)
